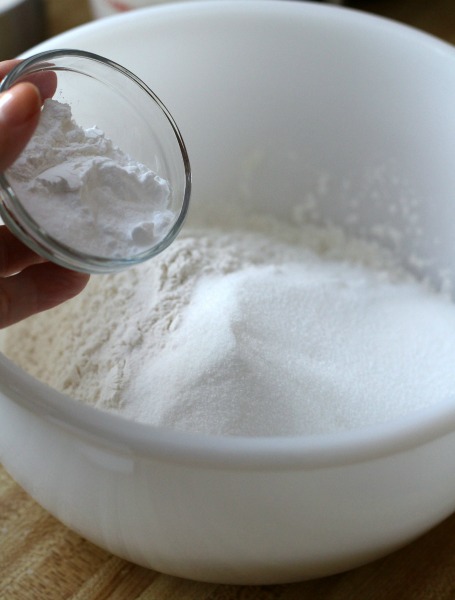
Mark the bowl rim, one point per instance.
(337, 13)
(262, 453)
(304, 452)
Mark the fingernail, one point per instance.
(19, 104)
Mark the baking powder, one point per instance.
(86, 192)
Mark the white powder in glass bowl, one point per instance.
(88, 194)
(273, 330)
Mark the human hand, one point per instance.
(28, 283)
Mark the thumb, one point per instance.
(19, 115)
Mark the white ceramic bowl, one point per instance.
(330, 103)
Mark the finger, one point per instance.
(37, 288)
(6, 66)
(14, 255)
(19, 115)
(45, 81)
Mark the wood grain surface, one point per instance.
(40, 559)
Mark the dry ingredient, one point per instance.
(267, 330)
(86, 192)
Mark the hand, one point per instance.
(28, 283)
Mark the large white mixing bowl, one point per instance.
(278, 102)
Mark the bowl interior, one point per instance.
(345, 116)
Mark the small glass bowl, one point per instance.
(104, 94)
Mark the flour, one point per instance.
(87, 193)
(266, 330)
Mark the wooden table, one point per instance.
(40, 559)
